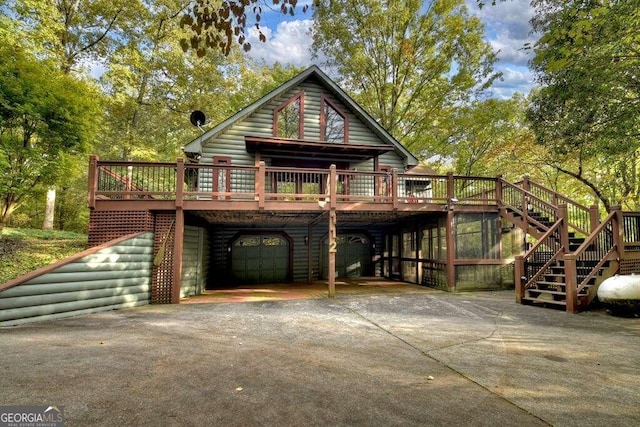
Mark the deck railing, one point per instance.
(180, 181)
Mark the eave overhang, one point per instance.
(313, 149)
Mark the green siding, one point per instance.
(193, 261)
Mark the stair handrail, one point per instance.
(589, 216)
(581, 219)
(527, 199)
(521, 259)
(591, 240)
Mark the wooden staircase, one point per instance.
(573, 251)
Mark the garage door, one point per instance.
(353, 258)
(260, 259)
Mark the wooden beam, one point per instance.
(333, 248)
(178, 244)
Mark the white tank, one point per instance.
(620, 291)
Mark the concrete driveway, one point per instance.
(424, 358)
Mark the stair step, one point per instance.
(544, 282)
(544, 301)
(545, 291)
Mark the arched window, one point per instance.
(288, 118)
(334, 126)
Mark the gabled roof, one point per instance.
(195, 145)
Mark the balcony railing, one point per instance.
(137, 181)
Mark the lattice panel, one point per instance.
(629, 266)
(106, 226)
(162, 275)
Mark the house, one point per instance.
(304, 185)
(302, 143)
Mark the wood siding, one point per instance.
(230, 143)
(194, 257)
(221, 240)
(114, 277)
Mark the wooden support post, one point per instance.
(394, 188)
(308, 240)
(594, 217)
(563, 214)
(571, 283)
(93, 181)
(179, 182)
(450, 187)
(499, 191)
(451, 249)
(333, 186)
(518, 275)
(333, 248)
(618, 230)
(260, 184)
(178, 242)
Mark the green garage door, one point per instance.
(260, 259)
(353, 258)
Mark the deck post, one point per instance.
(450, 187)
(499, 191)
(451, 248)
(563, 214)
(594, 217)
(394, 188)
(571, 283)
(260, 184)
(618, 230)
(308, 240)
(179, 182)
(178, 243)
(333, 248)
(518, 268)
(93, 180)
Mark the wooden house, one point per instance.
(304, 185)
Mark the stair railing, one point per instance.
(580, 219)
(540, 199)
(602, 245)
(530, 266)
(524, 203)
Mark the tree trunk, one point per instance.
(49, 210)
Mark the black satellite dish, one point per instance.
(197, 118)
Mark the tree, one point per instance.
(44, 115)
(152, 86)
(587, 113)
(217, 25)
(409, 64)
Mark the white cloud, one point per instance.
(514, 79)
(508, 31)
(289, 44)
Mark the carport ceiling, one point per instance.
(295, 218)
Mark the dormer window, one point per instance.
(334, 126)
(288, 118)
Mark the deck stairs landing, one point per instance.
(573, 251)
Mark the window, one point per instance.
(333, 122)
(288, 118)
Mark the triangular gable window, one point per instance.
(334, 126)
(288, 118)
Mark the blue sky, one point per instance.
(507, 29)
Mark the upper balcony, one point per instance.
(168, 186)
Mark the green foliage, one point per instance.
(44, 115)
(587, 113)
(24, 250)
(407, 63)
(217, 25)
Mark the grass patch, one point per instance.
(23, 250)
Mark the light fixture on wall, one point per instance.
(306, 240)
